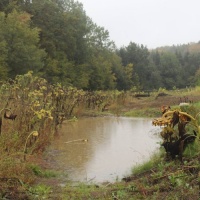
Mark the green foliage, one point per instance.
(20, 43)
(58, 41)
(170, 70)
(101, 76)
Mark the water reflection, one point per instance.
(115, 145)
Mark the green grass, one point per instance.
(192, 149)
(154, 160)
(40, 191)
(38, 171)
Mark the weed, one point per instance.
(120, 194)
(42, 173)
(40, 191)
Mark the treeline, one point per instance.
(58, 41)
(167, 67)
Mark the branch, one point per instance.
(79, 140)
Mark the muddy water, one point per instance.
(114, 146)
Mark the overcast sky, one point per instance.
(152, 23)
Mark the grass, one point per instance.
(148, 112)
(38, 171)
(154, 160)
(192, 149)
(40, 191)
(166, 180)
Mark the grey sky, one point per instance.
(152, 23)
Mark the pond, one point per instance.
(103, 149)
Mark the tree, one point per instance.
(190, 67)
(99, 38)
(101, 61)
(21, 41)
(170, 69)
(3, 52)
(63, 26)
(101, 76)
(197, 77)
(138, 56)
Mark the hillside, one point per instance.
(183, 48)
